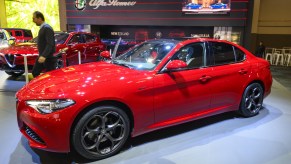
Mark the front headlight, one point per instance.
(49, 106)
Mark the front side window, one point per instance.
(75, 39)
(18, 33)
(61, 38)
(193, 55)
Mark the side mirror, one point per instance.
(105, 54)
(176, 64)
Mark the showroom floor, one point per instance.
(222, 139)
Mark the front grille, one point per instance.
(33, 135)
(9, 58)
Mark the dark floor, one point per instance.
(282, 75)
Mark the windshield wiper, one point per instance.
(122, 64)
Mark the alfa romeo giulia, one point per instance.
(94, 108)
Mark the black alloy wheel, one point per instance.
(59, 64)
(252, 100)
(101, 132)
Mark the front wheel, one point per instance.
(60, 64)
(252, 100)
(101, 132)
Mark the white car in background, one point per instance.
(5, 39)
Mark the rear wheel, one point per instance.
(14, 73)
(101, 132)
(252, 100)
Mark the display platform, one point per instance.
(226, 138)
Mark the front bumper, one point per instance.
(45, 131)
(15, 63)
(17, 68)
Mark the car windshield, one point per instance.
(60, 38)
(145, 56)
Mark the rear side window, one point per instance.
(240, 55)
(27, 33)
(223, 53)
(89, 38)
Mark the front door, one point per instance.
(184, 94)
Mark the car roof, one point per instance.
(189, 40)
(79, 32)
(16, 29)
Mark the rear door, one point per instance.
(229, 76)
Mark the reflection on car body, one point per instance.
(5, 39)
(93, 108)
(193, 6)
(218, 6)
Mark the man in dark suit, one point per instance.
(45, 45)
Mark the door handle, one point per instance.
(243, 71)
(205, 78)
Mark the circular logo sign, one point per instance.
(80, 4)
(159, 34)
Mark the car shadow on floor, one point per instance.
(171, 132)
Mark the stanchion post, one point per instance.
(64, 58)
(79, 56)
(26, 69)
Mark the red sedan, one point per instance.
(93, 108)
(89, 46)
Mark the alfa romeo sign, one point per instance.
(81, 4)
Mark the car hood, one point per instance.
(20, 49)
(70, 78)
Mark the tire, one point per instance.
(101, 132)
(252, 100)
(15, 74)
(60, 64)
